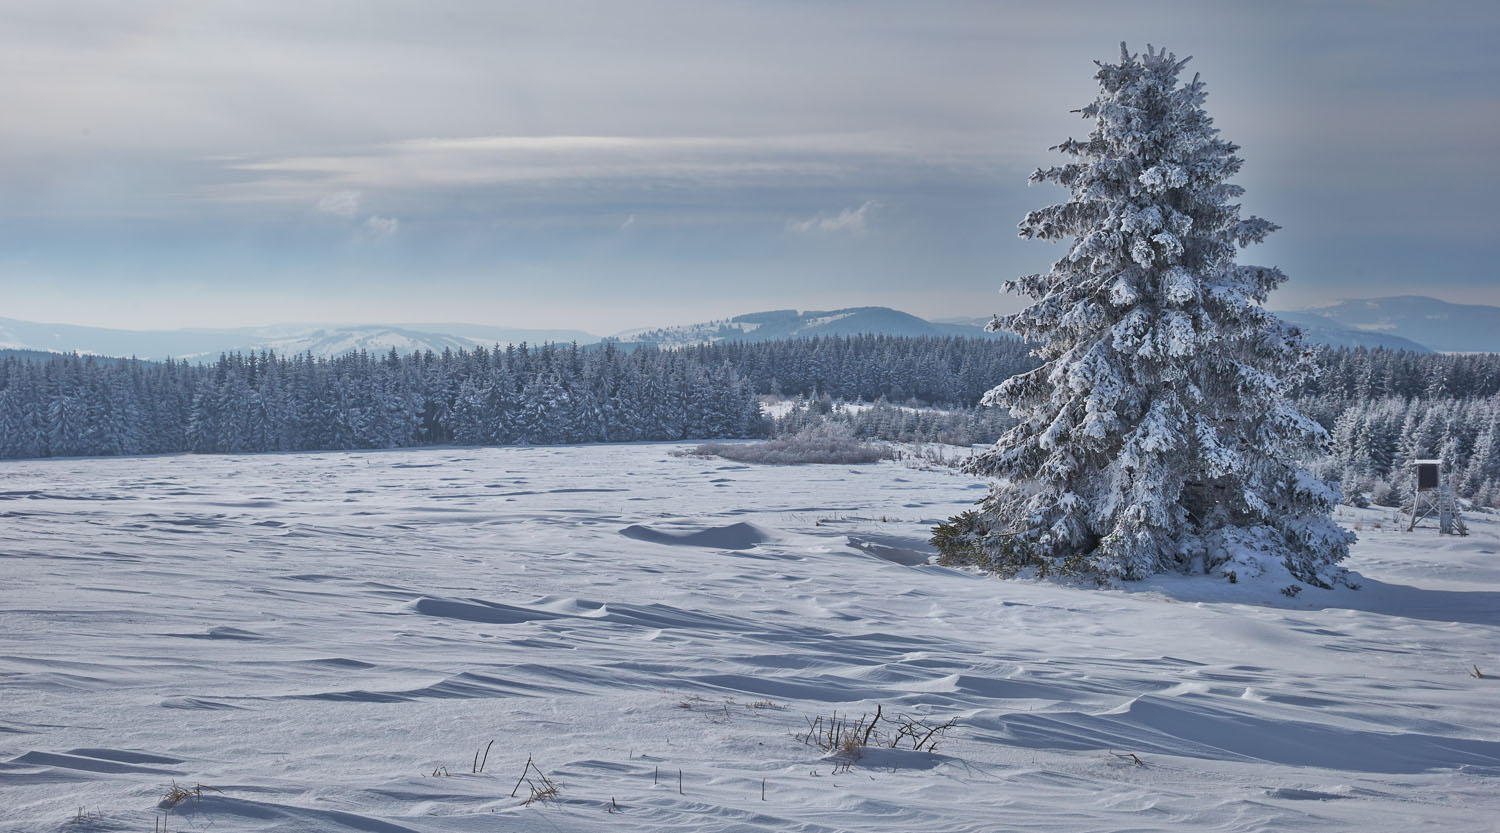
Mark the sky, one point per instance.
(605, 165)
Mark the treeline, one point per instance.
(948, 372)
(1374, 443)
(1385, 408)
(1350, 376)
(1382, 407)
(71, 405)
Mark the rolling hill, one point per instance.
(1413, 323)
(1457, 328)
(788, 323)
(321, 340)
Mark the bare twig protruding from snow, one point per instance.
(541, 789)
(478, 763)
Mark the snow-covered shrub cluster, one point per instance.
(823, 442)
(1157, 434)
(907, 424)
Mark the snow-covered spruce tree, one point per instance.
(1157, 434)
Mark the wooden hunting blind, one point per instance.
(1431, 495)
(1427, 474)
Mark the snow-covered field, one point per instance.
(324, 642)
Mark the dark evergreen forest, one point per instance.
(1381, 407)
(70, 405)
(1384, 408)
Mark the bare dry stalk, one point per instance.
(865, 741)
(541, 789)
(524, 770)
(849, 737)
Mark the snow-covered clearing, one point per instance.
(315, 635)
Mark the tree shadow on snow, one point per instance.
(1474, 607)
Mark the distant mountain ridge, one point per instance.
(288, 339)
(1457, 328)
(1320, 330)
(789, 323)
(1413, 323)
(327, 341)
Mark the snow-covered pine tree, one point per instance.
(1157, 434)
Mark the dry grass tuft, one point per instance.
(176, 794)
(848, 738)
(541, 786)
(542, 793)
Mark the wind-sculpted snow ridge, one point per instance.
(737, 536)
(324, 642)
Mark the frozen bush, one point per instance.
(1384, 494)
(827, 442)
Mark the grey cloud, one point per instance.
(564, 162)
(1368, 130)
